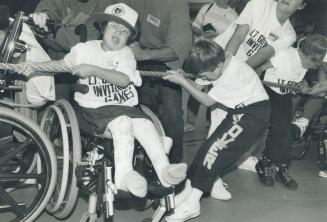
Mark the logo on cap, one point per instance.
(119, 11)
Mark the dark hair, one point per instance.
(315, 44)
(205, 55)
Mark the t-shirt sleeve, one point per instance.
(179, 36)
(286, 38)
(127, 65)
(251, 9)
(73, 57)
(200, 16)
(278, 62)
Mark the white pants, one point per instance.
(123, 130)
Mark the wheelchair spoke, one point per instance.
(14, 152)
(5, 197)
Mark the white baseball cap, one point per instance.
(120, 13)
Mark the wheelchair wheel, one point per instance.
(60, 124)
(25, 202)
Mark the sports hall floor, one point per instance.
(251, 202)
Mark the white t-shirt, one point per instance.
(264, 30)
(219, 18)
(238, 86)
(38, 88)
(287, 69)
(102, 92)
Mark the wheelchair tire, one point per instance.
(74, 146)
(44, 182)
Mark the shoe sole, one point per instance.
(195, 215)
(280, 180)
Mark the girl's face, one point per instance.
(290, 6)
(115, 36)
(214, 75)
(311, 62)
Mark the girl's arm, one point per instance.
(112, 76)
(189, 85)
(83, 71)
(237, 38)
(263, 67)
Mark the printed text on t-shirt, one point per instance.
(255, 42)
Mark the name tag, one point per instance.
(153, 20)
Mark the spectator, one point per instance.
(164, 42)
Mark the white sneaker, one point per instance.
(249, 164)
(179, 198)
(323, 173)
(185, 211)
(219, 191)
(302, 124)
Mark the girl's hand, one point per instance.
(175, 76)
(84, 70)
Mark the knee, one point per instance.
(121, 125)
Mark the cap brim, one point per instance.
(103, 17)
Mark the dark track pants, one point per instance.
(278, 144)
(233, 137)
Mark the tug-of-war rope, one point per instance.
(45, 68)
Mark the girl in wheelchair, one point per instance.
(110, 107)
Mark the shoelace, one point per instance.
(270, 171)
(286, 175)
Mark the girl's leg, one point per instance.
(126, 178)
(146, 134)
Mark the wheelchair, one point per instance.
(315, 135)
(48, 159)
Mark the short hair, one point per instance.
(205, 55)
(314, 44)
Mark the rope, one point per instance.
(45, 68)
(17, 105)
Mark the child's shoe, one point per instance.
(219, 191)
(249, 164)
(299, 127)
(283, 176)
(266, 171)
(185, 211)
(323, 173)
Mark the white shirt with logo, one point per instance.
(219, 18)
(264, 30)
(102, 92)
(287, 69)
(238, 86)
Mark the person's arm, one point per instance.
(261, 56)
(196, 31)
(83, 71)
(266, 65)
(201, 97)
(163, 54)
(237, 38)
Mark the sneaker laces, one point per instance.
(284, 172)
(269, 171)
(302, 124)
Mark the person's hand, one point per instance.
(40, 19)
(318, 89)
(25, 68)
(139, 53)
(175, 76)
(84, 70)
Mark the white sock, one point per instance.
(173, 174)
(134, 183)
(195, 195)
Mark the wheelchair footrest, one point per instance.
(159, 191)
